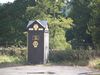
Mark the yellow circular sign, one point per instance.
(35, 26)
(35, 44)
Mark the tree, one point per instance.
(58, 29)
(80, 13)
(14, 18)
(44, 8)
(51, 11)
(13, 21)
(94, 23)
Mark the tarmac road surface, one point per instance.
(45, 70)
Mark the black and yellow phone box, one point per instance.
(38, 42)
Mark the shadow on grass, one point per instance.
(71, 63)
(69, 58)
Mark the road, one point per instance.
(45, 70)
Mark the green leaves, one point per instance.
(57, 32)
(14, 19)
(94, 23)
(51, 11)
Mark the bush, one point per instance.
(57, 30)
(13, 51)
(95, 63)
(80, 57)
(9, 59)
(13, 54)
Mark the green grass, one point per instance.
(66, 57)
(10, 59)
(95, 63)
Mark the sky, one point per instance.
(5, 1)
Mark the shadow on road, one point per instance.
(4, 65)
(40, 72)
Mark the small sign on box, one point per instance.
(30, 29)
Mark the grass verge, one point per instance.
(95, 63)
(11, 59)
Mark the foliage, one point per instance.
(84, 31)
(80, 13)
(13, 55)
(73, 57)
(51, 11)
(57, 33)
(74, 24)
(13, 51)
(21, 11)
(9, 59)
(12, 22)
(86, 15)
(95, 63)
(94, 23)
(44, 9)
